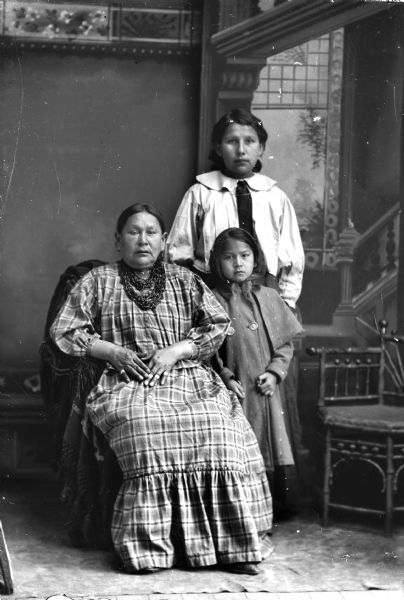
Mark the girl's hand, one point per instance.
(235, 386)
(266, 383)
(129, 364)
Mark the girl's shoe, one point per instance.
(267, 547)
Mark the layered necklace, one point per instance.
(145, 293)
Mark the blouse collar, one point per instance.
(216, 180)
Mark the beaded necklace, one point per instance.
(145, 293)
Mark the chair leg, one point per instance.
(389, 486)
(327, 477)
(5, 564)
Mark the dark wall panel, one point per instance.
(80, 139)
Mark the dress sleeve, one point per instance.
(291, 256)
(210, 322)
(73, 330)
(183, 237)
(281, 360)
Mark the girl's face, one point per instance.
(240, 149)
(237, 261)
(141, 241)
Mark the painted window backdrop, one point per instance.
(298, 100)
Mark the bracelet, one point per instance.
(90, 344)
(192, 350)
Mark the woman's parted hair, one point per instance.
(240, 116)
(136, 208)
(234, 233)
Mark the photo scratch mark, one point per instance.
(98, 177)
(60, 190)
(17, 138)
(394, 100)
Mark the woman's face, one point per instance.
(141, 241)
(237, 261)
(240, 149)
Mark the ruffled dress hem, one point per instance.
(194, 519)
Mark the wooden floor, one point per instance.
(348, 595)
(352, 561)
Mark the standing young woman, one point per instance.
(235, 194)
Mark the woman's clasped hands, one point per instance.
(130, 364)
(149, 368)
(161, 362)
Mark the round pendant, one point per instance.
(253, 326)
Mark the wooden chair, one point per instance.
(361, 412)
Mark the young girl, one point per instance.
(255, 356)
(214, 203)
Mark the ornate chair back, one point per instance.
(361, 413)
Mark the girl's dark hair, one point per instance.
(234, 233)
(240, 116)
(134, 209)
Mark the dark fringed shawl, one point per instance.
(82, 459)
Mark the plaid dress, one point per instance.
(194, 484)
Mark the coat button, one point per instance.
(253, 326)
(231, 331)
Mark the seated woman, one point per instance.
(194, 489)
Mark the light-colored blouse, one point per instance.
(210, 206)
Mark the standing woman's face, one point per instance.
(240, 149)
(141, 241)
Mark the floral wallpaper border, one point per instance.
(44, 21)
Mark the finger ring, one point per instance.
(122, 372)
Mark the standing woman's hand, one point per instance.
(235, 386)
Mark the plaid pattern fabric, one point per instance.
(194, 488)
(188, 310)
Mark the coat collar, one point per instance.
(228, 289)
(216, 180)
(281, 325)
